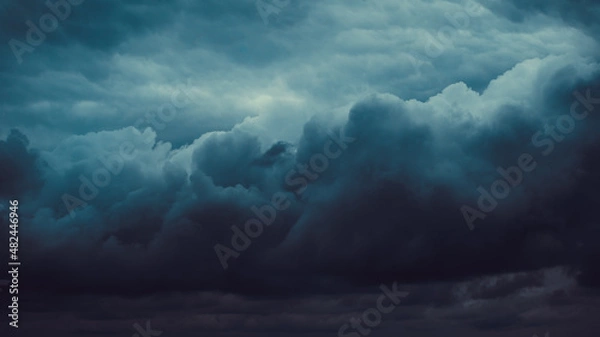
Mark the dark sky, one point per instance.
(266, 168)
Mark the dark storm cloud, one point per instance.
(267, 103)
(532, 304)
(417, 225)
(20, 167)
(104, 26)
(72, 64)
(386, 210)
(97, 25)
(581, 13)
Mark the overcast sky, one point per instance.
(240, 168)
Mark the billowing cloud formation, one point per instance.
(19, 165)
(387, 204)
(193, 148)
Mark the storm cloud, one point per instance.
(350, 135)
